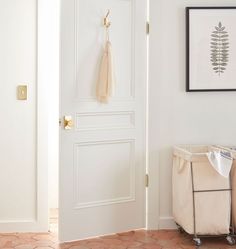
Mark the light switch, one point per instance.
(22, 92)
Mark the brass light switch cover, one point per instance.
(22, 92)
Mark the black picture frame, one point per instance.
(190, 87)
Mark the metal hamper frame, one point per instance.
(196, 238)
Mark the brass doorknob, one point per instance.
(68, 123)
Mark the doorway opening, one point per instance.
(52, 48)
(53, 220)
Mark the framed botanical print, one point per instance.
(211, 49)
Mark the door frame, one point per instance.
(153, 171)
(42, 117)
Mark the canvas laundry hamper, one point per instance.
(201, 196)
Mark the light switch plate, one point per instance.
(22, 92)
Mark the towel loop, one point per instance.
(107, 24)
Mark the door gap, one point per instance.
(53, 220)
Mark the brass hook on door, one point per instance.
(106, 21)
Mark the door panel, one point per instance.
(102, 159)
(107, 179)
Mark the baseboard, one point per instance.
(167, 223)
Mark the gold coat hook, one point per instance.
(106, 22)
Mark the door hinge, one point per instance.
(147, 28)
(146, 180)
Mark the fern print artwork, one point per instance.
(219, 49)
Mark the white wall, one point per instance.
(27, 61)
(177, 117)
(18, 169)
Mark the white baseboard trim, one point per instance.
(167, 223)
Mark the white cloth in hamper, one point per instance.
(221, 161)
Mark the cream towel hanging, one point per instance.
(106, 80)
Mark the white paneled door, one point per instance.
(102, 158)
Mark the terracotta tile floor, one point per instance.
(165, 239)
